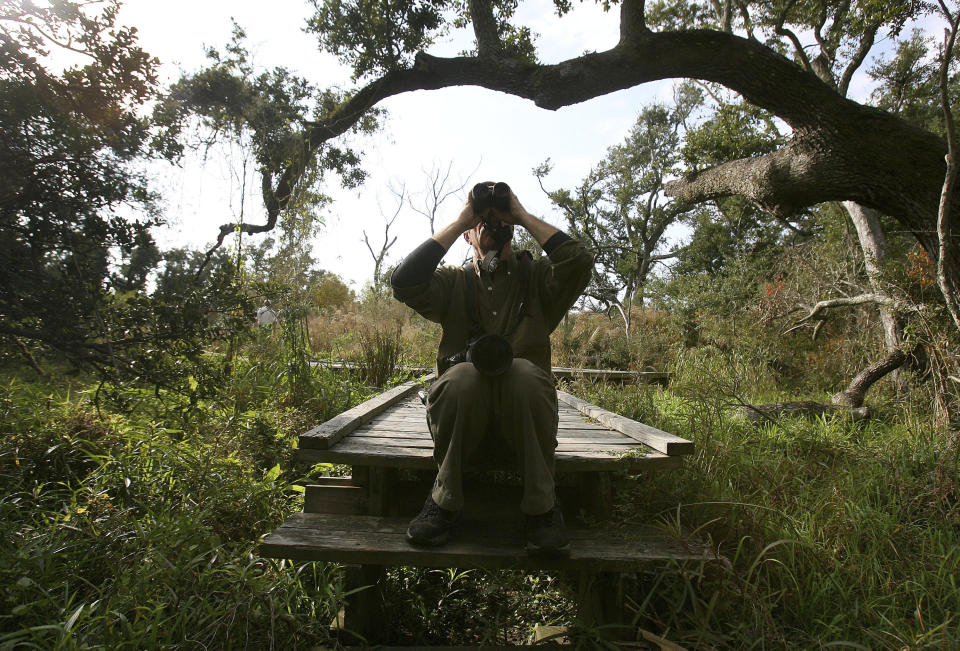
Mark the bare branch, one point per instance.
(437, 192)
(784, 31)
(866, 44)
(863, 299)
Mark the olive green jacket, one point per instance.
(555, 283)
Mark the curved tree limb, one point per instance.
(840, 150)
(853, 395)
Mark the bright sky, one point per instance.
(499, 135)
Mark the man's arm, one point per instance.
(418, 267)
(539, 229)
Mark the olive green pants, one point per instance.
(466, 410)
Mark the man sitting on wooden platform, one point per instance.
(495, 388)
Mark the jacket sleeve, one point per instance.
(432, 298)
(562, 276)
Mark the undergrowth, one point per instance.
(832, 533)
(129, 518)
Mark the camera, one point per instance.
(492, 355)
(484, 199)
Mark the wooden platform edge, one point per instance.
(648, 377)
(382, 541)
(326, 434)
(570, 462)
(659, 440)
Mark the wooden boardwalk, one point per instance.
(476, 543)
(390, 430)
(361, 520)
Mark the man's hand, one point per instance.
(465, 221)
(517, 214)
(541, 230)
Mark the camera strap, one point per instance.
(471, 291)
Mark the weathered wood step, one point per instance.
(375, 540)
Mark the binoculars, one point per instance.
(484, 197)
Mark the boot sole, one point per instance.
(436, 541)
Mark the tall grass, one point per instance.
(139, 530)
(133, 523)
(837, 533)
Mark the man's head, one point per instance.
(481, 237)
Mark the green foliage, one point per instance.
(268, 110)
(330, 292)
(833, 531)
(376, 36)
(139, 530)
(619, 208)
(733, 130)
(472, 607)
(68, 145)
(908, 84)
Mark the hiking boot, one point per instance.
(432, 526)
(546, 533)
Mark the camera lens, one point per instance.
(491, 355)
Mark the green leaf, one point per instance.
(273, 473)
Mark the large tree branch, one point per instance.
(866, 44)
(840, 150)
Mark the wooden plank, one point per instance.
(329, 433)
(655, 438)
(343, 499)
(421, 458)
(421, 426)
(372, 445)
(482, 544)
(413, 439)
(659, 377)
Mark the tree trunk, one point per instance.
(873, 242)
(853, 395)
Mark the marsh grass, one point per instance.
(836, 533)
(139, 529)
(132, 522)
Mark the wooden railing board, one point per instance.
(329, 433)
(651, 436)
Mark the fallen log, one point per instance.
(805, 408)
